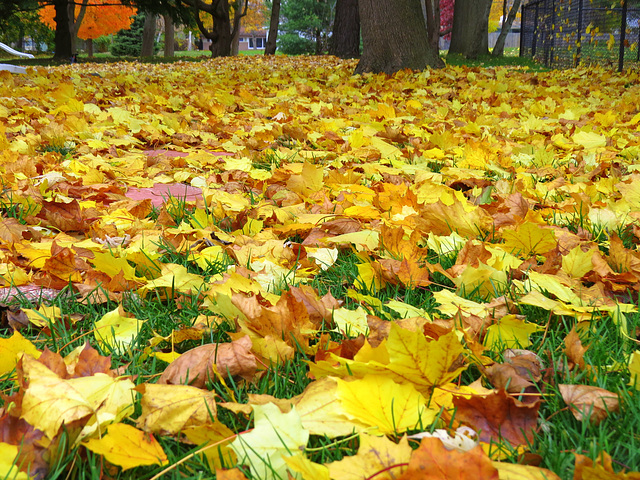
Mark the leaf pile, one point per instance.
(409, 243)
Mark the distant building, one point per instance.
(255, 40)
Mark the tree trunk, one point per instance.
(394, 37)
(498, 49)
(90, 47)
(20, 42)
(169, 37)
(148, 35)
(240, 11)
(270, 47)
(345, 39)
(75, 22)
(470, 32)
(63, 33)
(432, 10)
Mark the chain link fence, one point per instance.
(565, 33)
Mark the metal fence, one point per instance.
(565, 33)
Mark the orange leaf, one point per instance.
(432, 461)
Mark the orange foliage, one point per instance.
(99, 19)
(256, 17)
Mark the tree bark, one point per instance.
(432, 10)
(498, 49)
(470, 32)
(345, 39)
(394, 37)
(62, 39)
(240, 11)
(148, 35)
(75, 22)
(270, 47)
(169, 37)
(90, 47)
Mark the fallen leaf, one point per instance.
(128, 447)
(589, 403)
(432, 461)
(377, 457)
(276, 435)
(382, 404)
(169, 409)
(498, 417)
(202, 364)
(513, 471)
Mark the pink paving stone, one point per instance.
(173, 153)
(160, 192)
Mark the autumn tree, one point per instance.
(394, 37)
(253, 21)
(470, 31)
(345, 38)
(89, 20)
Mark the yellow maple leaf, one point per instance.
(383, 405)
(128, 447)
(12, 348)
(276, 435)
(351, 322)
(116, 330)
(9, 462)
(50, 401)
(168, 409)
(510, 332)
(377, 457)
(307, 469)
(423, 363)
(529, 239)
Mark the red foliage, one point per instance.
(446, 16)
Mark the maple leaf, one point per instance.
(588, 402)
(11, 350)
(380, 403)
(276, 435)
(127, 447)
(169, 409)
(432, 461)
(92, 401)
(198, 365)
(377, 456)
(498, 417)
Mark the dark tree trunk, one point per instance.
(62, 40)
(240, 11)
(148, 35)
(270, 47)
(394, 37)
(345, 39)
(75, 22)
(470, 32)
(432, 12)
(90, 47)
(169, 37)
(498, 49)
(20, 42)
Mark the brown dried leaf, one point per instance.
(588, 402)
(498, 417)
(574, 349)
(200, 364)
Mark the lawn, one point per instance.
(265, 266)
